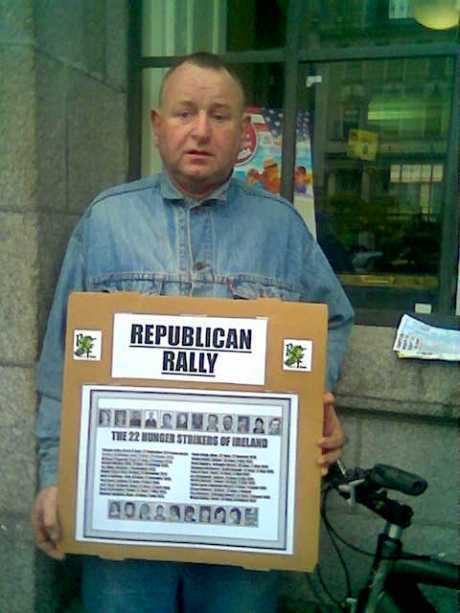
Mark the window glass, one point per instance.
(180, 27)
(378, 22)
(256, 24)
(380, 133)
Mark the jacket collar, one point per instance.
(170, 192)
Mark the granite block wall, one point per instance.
(63, 138)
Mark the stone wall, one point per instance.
(63, 138)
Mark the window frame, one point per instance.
(292, 56)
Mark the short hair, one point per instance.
(203, 59)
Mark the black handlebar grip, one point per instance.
(393, 478)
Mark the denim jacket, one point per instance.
(145, 236)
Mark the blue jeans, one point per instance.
(141, 586)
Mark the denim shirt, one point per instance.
(145, 236)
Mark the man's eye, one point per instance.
(183, 114)
(219, 117)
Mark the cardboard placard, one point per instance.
(189, 429)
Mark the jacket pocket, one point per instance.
(253, 288)
(142, 282)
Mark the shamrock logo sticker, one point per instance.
(87, 345)
(297, 354)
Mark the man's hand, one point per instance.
(45, 522)
(333, 438)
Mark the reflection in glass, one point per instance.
(256, 24)
(377, 22)
(380, 133)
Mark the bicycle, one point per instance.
(392, 584)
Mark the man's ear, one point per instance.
(155, 119)
(245, 121)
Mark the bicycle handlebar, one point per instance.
(392, 478)
(368, 487)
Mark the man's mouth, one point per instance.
(199, 152)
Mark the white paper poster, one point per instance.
(187, 468)
(189, 348)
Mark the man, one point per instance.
(197, 421)
(243, 424)
(189, 514)
(144, 512)
(220, 515)
(129, 510)
(135, 419)
(174, 512)
(151, 421)
(227, 423)
(114, 510)
(120, 418)
(182, 421)
(159, 513)
(104, 417)
(166, 421)
(275, 426)
(205, 514)
(235, 516)
(192, 230)
(213, 423)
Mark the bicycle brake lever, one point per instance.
(350, 490)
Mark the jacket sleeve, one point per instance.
(321, 285)
(51, 364)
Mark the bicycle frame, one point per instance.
(392, 585)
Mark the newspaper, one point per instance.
(415, 339)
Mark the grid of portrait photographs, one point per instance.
(188, 513)
(196, 422)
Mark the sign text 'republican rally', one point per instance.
(226, 350)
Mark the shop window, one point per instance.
(380, 150)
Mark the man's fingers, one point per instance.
(332, 442)
(50, 522)
(49, 547)
(45, 522)
(327, 459)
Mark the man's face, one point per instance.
(199, 127)
(220, 517)
(228, 422)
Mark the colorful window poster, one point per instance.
(259, 160)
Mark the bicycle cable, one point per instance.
(346, 572)
(331, 530)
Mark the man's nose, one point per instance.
(201, 127)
